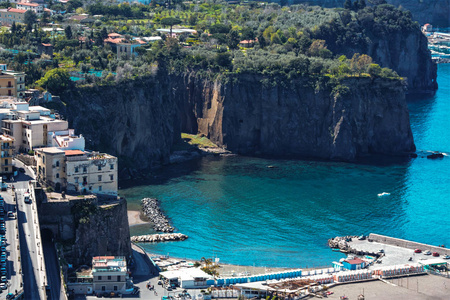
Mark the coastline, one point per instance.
(135, 218)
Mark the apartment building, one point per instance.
(77, 170)
(33, 6)
(8, 85)
(11, 15)
(30, 126)
(20, 80)
(7, 146)
(110, 274)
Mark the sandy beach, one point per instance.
(134, 218)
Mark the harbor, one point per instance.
(398, 267)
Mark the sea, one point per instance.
(244, 212)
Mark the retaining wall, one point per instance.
(407, 244)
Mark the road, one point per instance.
(52, 267)
(33, 266)
(13, 265)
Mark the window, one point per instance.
(6, 169)
(57, 175)
(90, 188)
(76, 169)
(99, 168)
(109, 277)
(118, 278)
(84, 169)
(99, 177)
(111, 166)
(99, 188)
(99, 277)
(57, 163)
(84, 179)
(6, 161)
(111, 177)
(76, 179)
(103, 288)
(115, 287)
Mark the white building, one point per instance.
(110, 274)
(36, 7)
(77, 171)
(188, 278)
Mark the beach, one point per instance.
(134, 218)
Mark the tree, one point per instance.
(233, 39)
(348, 4)
(29, 19)
(374, 70)
(56, 81)
(170, 21)
(68, 32)
(361, 4)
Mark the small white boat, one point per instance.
(384, 194)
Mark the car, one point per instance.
(362, 238)
(427, 252)
(446, 256)
(435, 254)
(3, 279)
(2, 248)
(417, 251)
(3, 243)
(160, 282)
(169, 288)
(10, 296)
(11, 215)
(381, 251)
(3, 286)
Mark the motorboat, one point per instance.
(384, 194)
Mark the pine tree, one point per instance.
(361, 4)
(348, 4)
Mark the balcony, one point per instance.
(6, 86)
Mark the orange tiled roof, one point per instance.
(73, 152)
(16, 10)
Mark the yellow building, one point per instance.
(7, 146)
(8, 86)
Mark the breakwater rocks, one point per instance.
(156, 238)
(150, 207)
(340, 242)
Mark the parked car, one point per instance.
(446, 256)
(417, 251)
(3, 286)
(3, 279)
(435, 254)
(427, 252)
(11, 215)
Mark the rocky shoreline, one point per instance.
(155, 238)
(341, 243)
(150, 207)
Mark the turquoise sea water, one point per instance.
(239, 210)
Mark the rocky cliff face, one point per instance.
(408, 55)
(91, 229)
(247, 117)
(436, 12)
(141, 120)
(138, 120)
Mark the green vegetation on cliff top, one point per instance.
(283, 43)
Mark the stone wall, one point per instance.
(407, 244)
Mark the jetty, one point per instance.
(150, 207)
(156, 238)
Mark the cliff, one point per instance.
(436, 12)
(141, 120)
(136, 120)
(85, 228)
(298, 119)
(407, 53)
